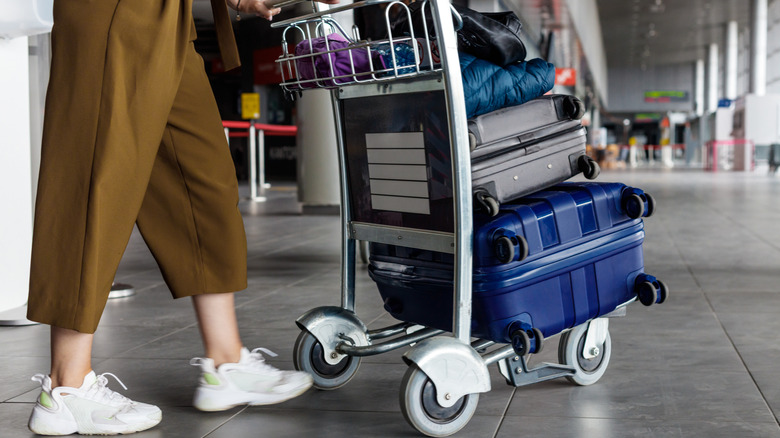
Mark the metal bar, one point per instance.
(408, 237)
(497, 355)
(260, 176)
(384, 347)
(461, 169)
(389, 331)
(481, 344)
(252, 161)
(347, 243)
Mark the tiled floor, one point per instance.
(704, 364)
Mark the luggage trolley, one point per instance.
(405, 177)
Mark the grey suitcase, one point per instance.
(519, 150)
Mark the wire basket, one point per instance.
(330, 57)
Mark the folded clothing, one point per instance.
(339, 62)
(488, 87)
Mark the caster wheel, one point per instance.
(421, 409)
(538, 338)
(647, 293)
(663, 292)
(589, 167)
(487, 202)
(521, 342)
(504, 248)
(650, 205)
(634, 206)
(308, 356)
(570, 352)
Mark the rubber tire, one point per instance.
(650, 205)
(508, 253)
(307, 356)
(646, 293)
(595, 170)
(492, 205)
(638, 204)
(569, 353)
(539, 340)
(663, 292)
(521, 343)
(417, 398)
(523, 251)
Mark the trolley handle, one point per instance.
(282, 3)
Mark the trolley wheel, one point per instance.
(308, 356)
(504, 248)
(663, 292)
(570, 352)
(647, 293)
(650, 205)
(634, 206)
(423, 411)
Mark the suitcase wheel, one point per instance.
(573, 107)
(589, 167)
(650, 205)
(651, 290)
(510, 248)
(486, 201)
(633, 205)
(525, 342)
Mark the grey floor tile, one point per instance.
(574, 427)
(16, 373)
(274, 423)
(13, 418)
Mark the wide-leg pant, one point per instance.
(132, 134)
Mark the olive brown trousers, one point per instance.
(132, 135)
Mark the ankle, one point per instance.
(224, 356)
(68, 378)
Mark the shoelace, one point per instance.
(100, 390)
(257, 360)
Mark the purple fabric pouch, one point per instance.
(317, 66)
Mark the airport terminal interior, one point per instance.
(681, 100)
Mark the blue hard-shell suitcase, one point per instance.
(548, 262)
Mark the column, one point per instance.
(731, 64)
(758, 30)
(699, 87)
(712, 76)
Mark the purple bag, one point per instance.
(318, 67)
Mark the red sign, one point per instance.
(267, 70)
(566, 77)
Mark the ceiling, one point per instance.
(652, 32)
(636, 32)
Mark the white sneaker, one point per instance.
(92, 409)
(250, 381)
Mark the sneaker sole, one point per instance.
(40, 425)
(205, 399)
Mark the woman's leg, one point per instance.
(71, 357)
(218, 327)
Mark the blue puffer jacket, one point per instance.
(488, 87)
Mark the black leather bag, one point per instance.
(494, 37)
